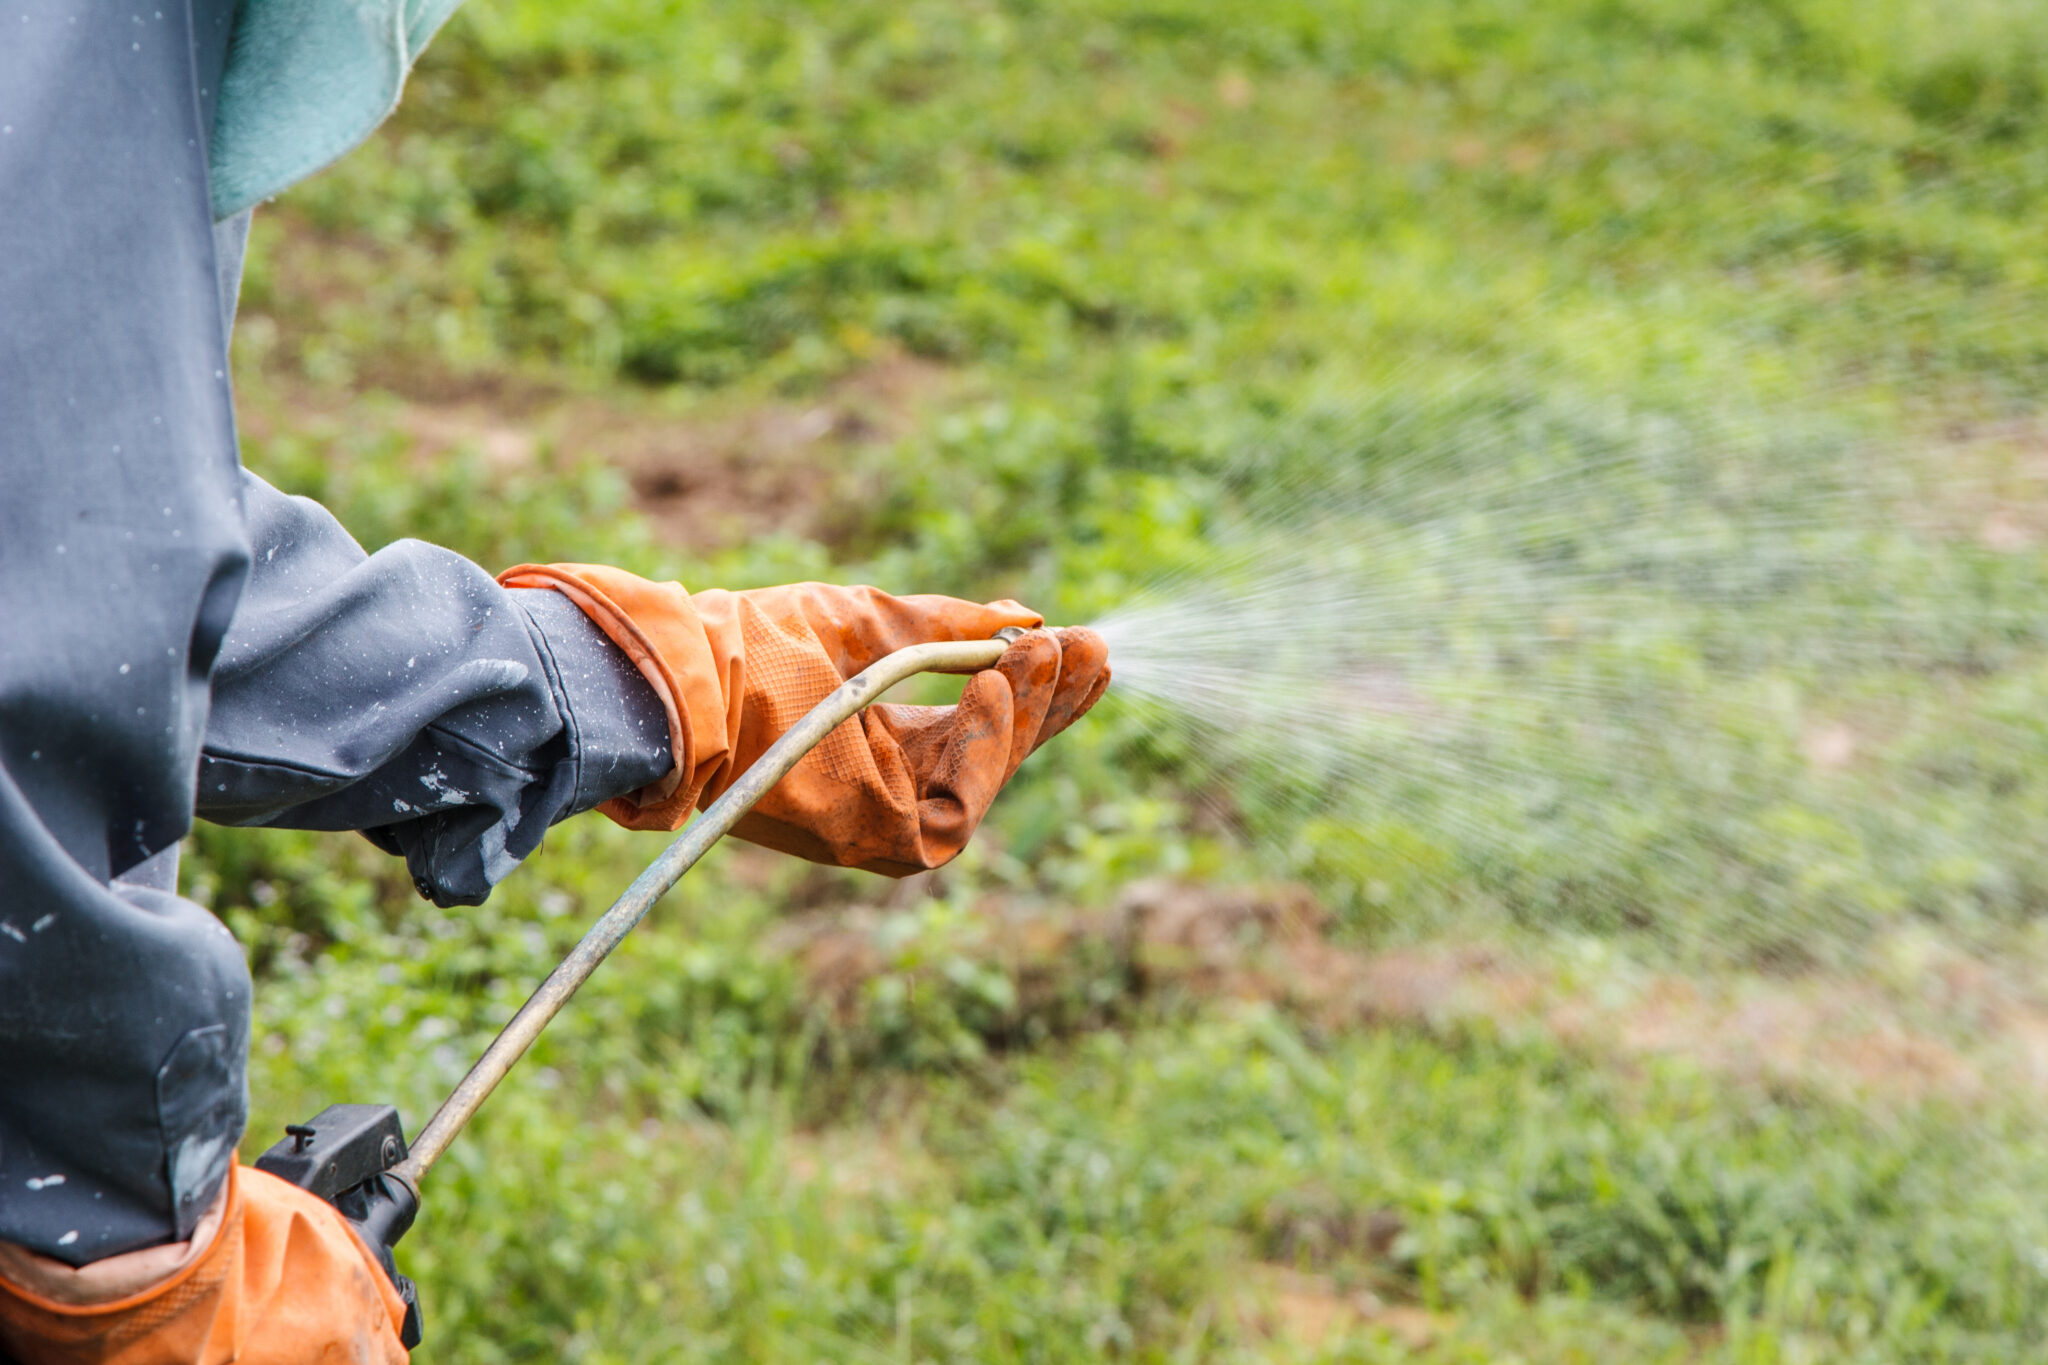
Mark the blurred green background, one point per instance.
(1741, 1059)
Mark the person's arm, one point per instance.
(406, 694)
(454, 718)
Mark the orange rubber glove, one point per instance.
(896, 789)
(283, 1282)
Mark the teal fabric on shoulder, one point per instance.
(306, 80)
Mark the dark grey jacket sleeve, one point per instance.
(124, 1011)
(407, 695)
(177, 637)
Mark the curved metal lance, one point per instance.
(850, 697)
(355, 1155)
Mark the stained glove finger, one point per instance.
(1084, 677)
(960, 756)
(958, 778)
(1032, 665)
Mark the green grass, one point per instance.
(1141, 255)
(732, 1186)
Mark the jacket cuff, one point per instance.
(617, 728)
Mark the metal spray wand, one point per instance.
(355, 1155)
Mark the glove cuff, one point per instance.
(684, 659)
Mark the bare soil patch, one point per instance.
(780, 466)
(709, 474)
(1279, 1303)
(1982, 481)
(1946, 1026)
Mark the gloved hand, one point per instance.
(282, 1282)
(896, 789)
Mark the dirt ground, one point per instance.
(1924, 1022)
(709, 475)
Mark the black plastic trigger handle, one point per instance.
(344, 1154)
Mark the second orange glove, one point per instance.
(897, 789)
(284, 1281)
